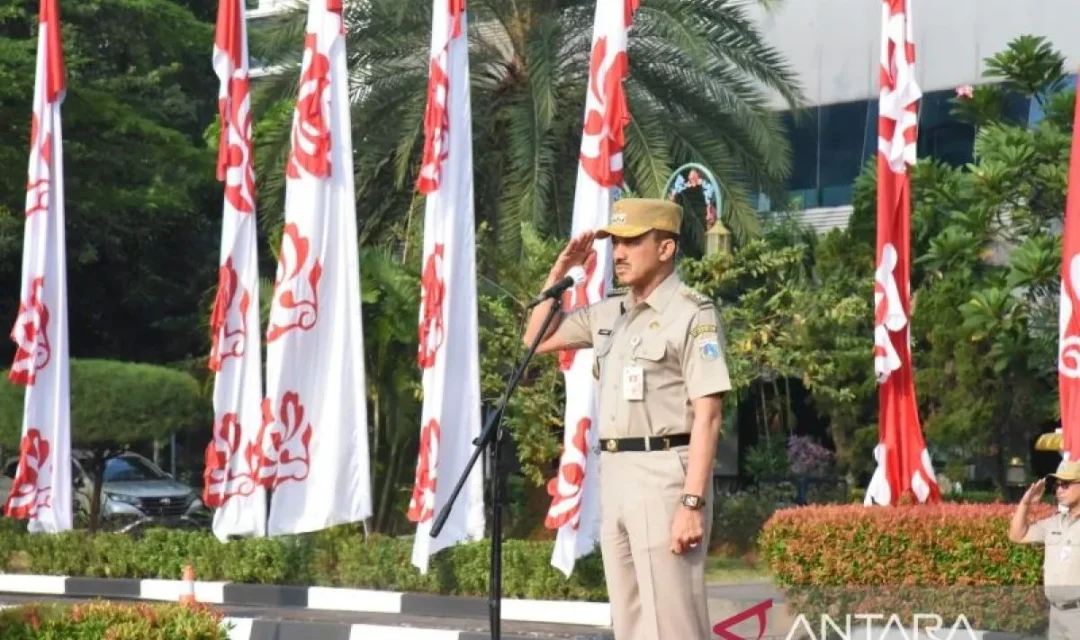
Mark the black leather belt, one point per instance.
(1065, 606)
(654, 443)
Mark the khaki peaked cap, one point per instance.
(632, 217)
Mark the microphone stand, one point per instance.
(491, 439)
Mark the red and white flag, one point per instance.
(313, 442)
(230, 484)
(903, 463)
(41, 490)
(1069, 328)
(448, 328)
(575, 505)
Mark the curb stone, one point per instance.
(254, 629)
(596, 615)
(569, 612)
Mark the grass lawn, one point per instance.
(721, 569)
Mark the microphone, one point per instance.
(575, 276)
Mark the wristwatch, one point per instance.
(692, 502)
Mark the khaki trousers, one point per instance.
(654, 593)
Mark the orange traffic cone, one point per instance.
(187, 590)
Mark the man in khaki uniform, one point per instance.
(660, 370)
(1060, 534)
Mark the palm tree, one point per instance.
(698, 91)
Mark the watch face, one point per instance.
(691, 501)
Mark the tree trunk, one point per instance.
(97, 475)
(387, 484)
(781, 407)
(764, 413)
(376, 421)
(788, 411)
(999, 437)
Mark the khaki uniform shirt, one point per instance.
(1061, 563)
(674, 336)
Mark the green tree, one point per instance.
(985, 273)
(699, 75)
(794, 308)
(985, 285)
(115, 405)
(391, 299)
(142, 205)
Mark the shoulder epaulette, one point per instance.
(700, 299)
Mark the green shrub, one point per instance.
(115, 403)
(338, 557)
(738, 517)
(948, 559)
(108, 621)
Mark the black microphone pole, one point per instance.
(491, 438)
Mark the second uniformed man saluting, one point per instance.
(661, 373)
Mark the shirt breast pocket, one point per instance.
(651, 357)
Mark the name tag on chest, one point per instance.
(633, 383)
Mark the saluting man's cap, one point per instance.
(1068, 471)
(632, 217)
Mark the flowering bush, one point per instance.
(107, 621)
(948, 559)
(807, 457)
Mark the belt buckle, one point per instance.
(612, 445)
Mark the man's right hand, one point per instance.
(1018, 524)
(1034, 492)
(574, 254)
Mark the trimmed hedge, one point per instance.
(976, 496)
(107, 621)
(115, 403)
(338, 557)
(952, 559)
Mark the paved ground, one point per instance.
(725, 601)
(749, 592)
(343, 618)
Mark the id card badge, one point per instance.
(1066, 551)
(633, 383)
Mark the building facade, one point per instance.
(261, 8)
(834, 45)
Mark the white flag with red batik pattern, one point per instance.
(575, 505)
(1069, 327)
(313, 442)
(229, 476)
(41, 490)
(903, 463)
(448, 328)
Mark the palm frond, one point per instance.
(647, 153)
(699, 90)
